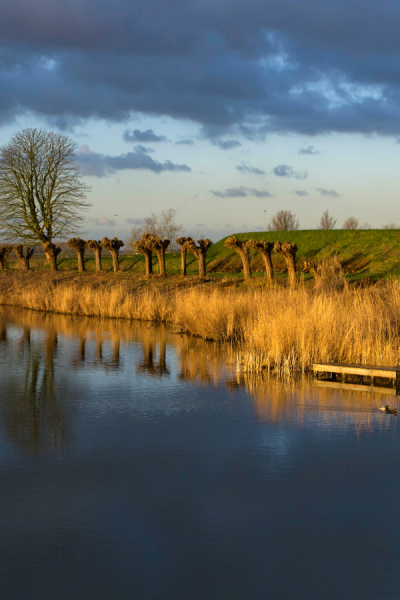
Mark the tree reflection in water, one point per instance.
(38, 413)
(32, 414)
(154, 360)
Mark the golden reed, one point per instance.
(274, 328)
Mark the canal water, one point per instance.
(135, 464)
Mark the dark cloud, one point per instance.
(226, 144)
(133, 221)
(308, 150)
(242, 192)
(103, 165)
(143, 136)
(187, 142)
(331, 193)
(300, 193)
(239, 68)
(245, 168)
(104, 221)
(145, 149)
(287, 171)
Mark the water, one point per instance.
(135, 465)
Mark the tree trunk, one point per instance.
(292, 273)
(4, 252)
(24, 260)
(288, 250)
(202, 264)
(148, 257)
(183, 261)
(114, 253)
(81, 260)
(269, 269)
(52, 251)
(161, 261)
(53, 260)
(246, 263)
(97, 254)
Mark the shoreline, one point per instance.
(276, 328)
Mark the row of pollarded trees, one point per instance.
(52, 251)
(150, 243)
(113, 246)
(243, 247)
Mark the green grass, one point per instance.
(373, 254)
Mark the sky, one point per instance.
(225, 110)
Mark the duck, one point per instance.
(390, 411)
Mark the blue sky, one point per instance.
(221, 110)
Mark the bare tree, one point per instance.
(135, 236)
(41, 190)
(163, 226)
(350, 223)
(169, 227)
(284, 220)
(327, 222)
(391, 226)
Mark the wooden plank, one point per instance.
(366, 370)
(353, 387)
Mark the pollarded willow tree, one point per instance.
(95, 246)
(113, 246)
(141, 246)
(181, 241)
(265, 249)
(79, 246)
(158, 246)
(288, 250)
(42, 193)
(200, 252)
(24, 259)
(241, 247)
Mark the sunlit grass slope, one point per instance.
(363, 253)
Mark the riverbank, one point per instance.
(275, 327)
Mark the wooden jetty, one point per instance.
(340, 371)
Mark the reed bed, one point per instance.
(270, 328)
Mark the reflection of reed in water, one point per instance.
(32, 414)
(297, 402)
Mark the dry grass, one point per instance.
(277, 328)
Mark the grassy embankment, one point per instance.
(369, 254)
